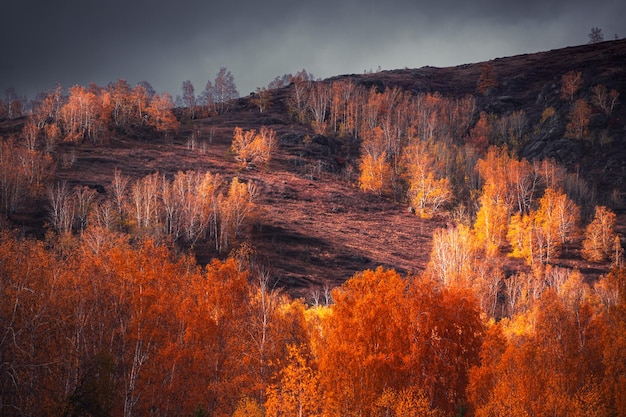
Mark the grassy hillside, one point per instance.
(314, 227)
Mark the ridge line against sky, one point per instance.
(70, 42)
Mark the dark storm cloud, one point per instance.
(43, 43)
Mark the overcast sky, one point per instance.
(44, 43)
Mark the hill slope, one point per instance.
(319, 228)
(315, 228)
(531, 82)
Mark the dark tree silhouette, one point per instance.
(596, 35)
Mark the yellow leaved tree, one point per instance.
(298, 391)
(428, 191)
(540, 235)
(252, 148)
(600, 236)
(376, 171)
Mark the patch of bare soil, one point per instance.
(320, 232)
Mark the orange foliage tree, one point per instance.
(30, 374)
(160, 116)
(368, 357)
(599, 235)
(364, 342)
(112, 328)
(491, 220)
(81, 115)
(445, 335)
(614, 338)
(570, 84)
(252, 149)
(480, 135)
(213, 309)
(376, 171)
(24, 176)
(452, 256)
(578, 126)
(156, 333)
(458, 260)
(345, 108)
(237, 210)
(558, 220)
(546, 366)
(428, 190)
(298, 392)
(540, 235)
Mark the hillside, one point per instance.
(470, 222)
(531, 82)
(315, 228)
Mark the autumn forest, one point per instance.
(156, 253)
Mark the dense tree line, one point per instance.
(189, 207)
(155, 333)
(94, 113)
(27, 160)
